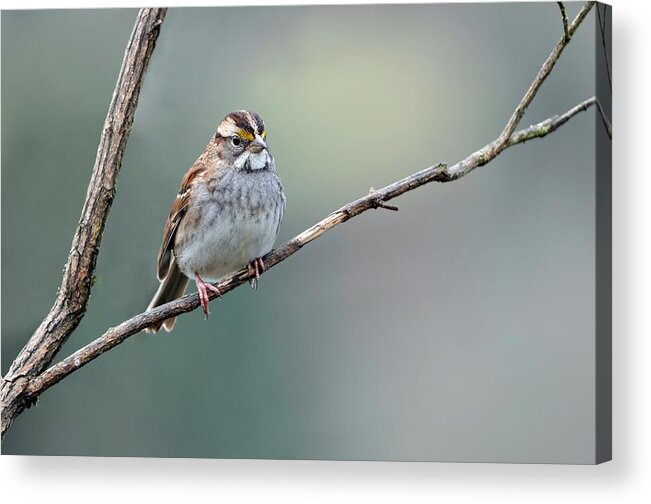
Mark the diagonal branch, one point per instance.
(602, 113)
(602, 27)
(70, 303)
(375, 199)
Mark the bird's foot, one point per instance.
(256, 266)
(203, 288)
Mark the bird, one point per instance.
(226, 214)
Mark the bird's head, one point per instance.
(241, 141)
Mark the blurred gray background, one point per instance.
(458, 329)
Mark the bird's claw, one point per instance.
(256, 266)
(203, 288)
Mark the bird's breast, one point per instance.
(229, 225)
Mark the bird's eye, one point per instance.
(236, 140)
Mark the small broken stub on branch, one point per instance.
(383, 204)
(380, 203)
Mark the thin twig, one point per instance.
(609, 128)
(557, 121)
(439, 173)
(565, 21)
(602, 27)
(544, 71)
(72, 297)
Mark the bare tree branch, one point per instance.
(545, 127)
(375, 199)
(21, 387)
(70, 303)
(602, 27)
(565, 21)
(544, 71)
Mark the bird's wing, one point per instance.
(179, 207)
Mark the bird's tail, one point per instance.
(171, 287)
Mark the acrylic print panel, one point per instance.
(472, 325)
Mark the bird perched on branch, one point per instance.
(225, 216)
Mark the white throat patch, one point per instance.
(253, 161)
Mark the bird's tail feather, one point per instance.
(171, 287)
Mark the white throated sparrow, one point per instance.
(225, 216)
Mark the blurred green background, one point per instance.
(459, 329)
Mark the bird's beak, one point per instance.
(257, 145)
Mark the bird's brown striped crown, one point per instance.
(244, 123)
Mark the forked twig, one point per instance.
(566, 29)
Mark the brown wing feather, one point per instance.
(176, 214)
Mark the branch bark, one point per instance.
(24, 384)
(73, 294)
(566, 29)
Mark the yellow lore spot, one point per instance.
(245, 135)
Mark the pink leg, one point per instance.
(258, 266)
(203, 289)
